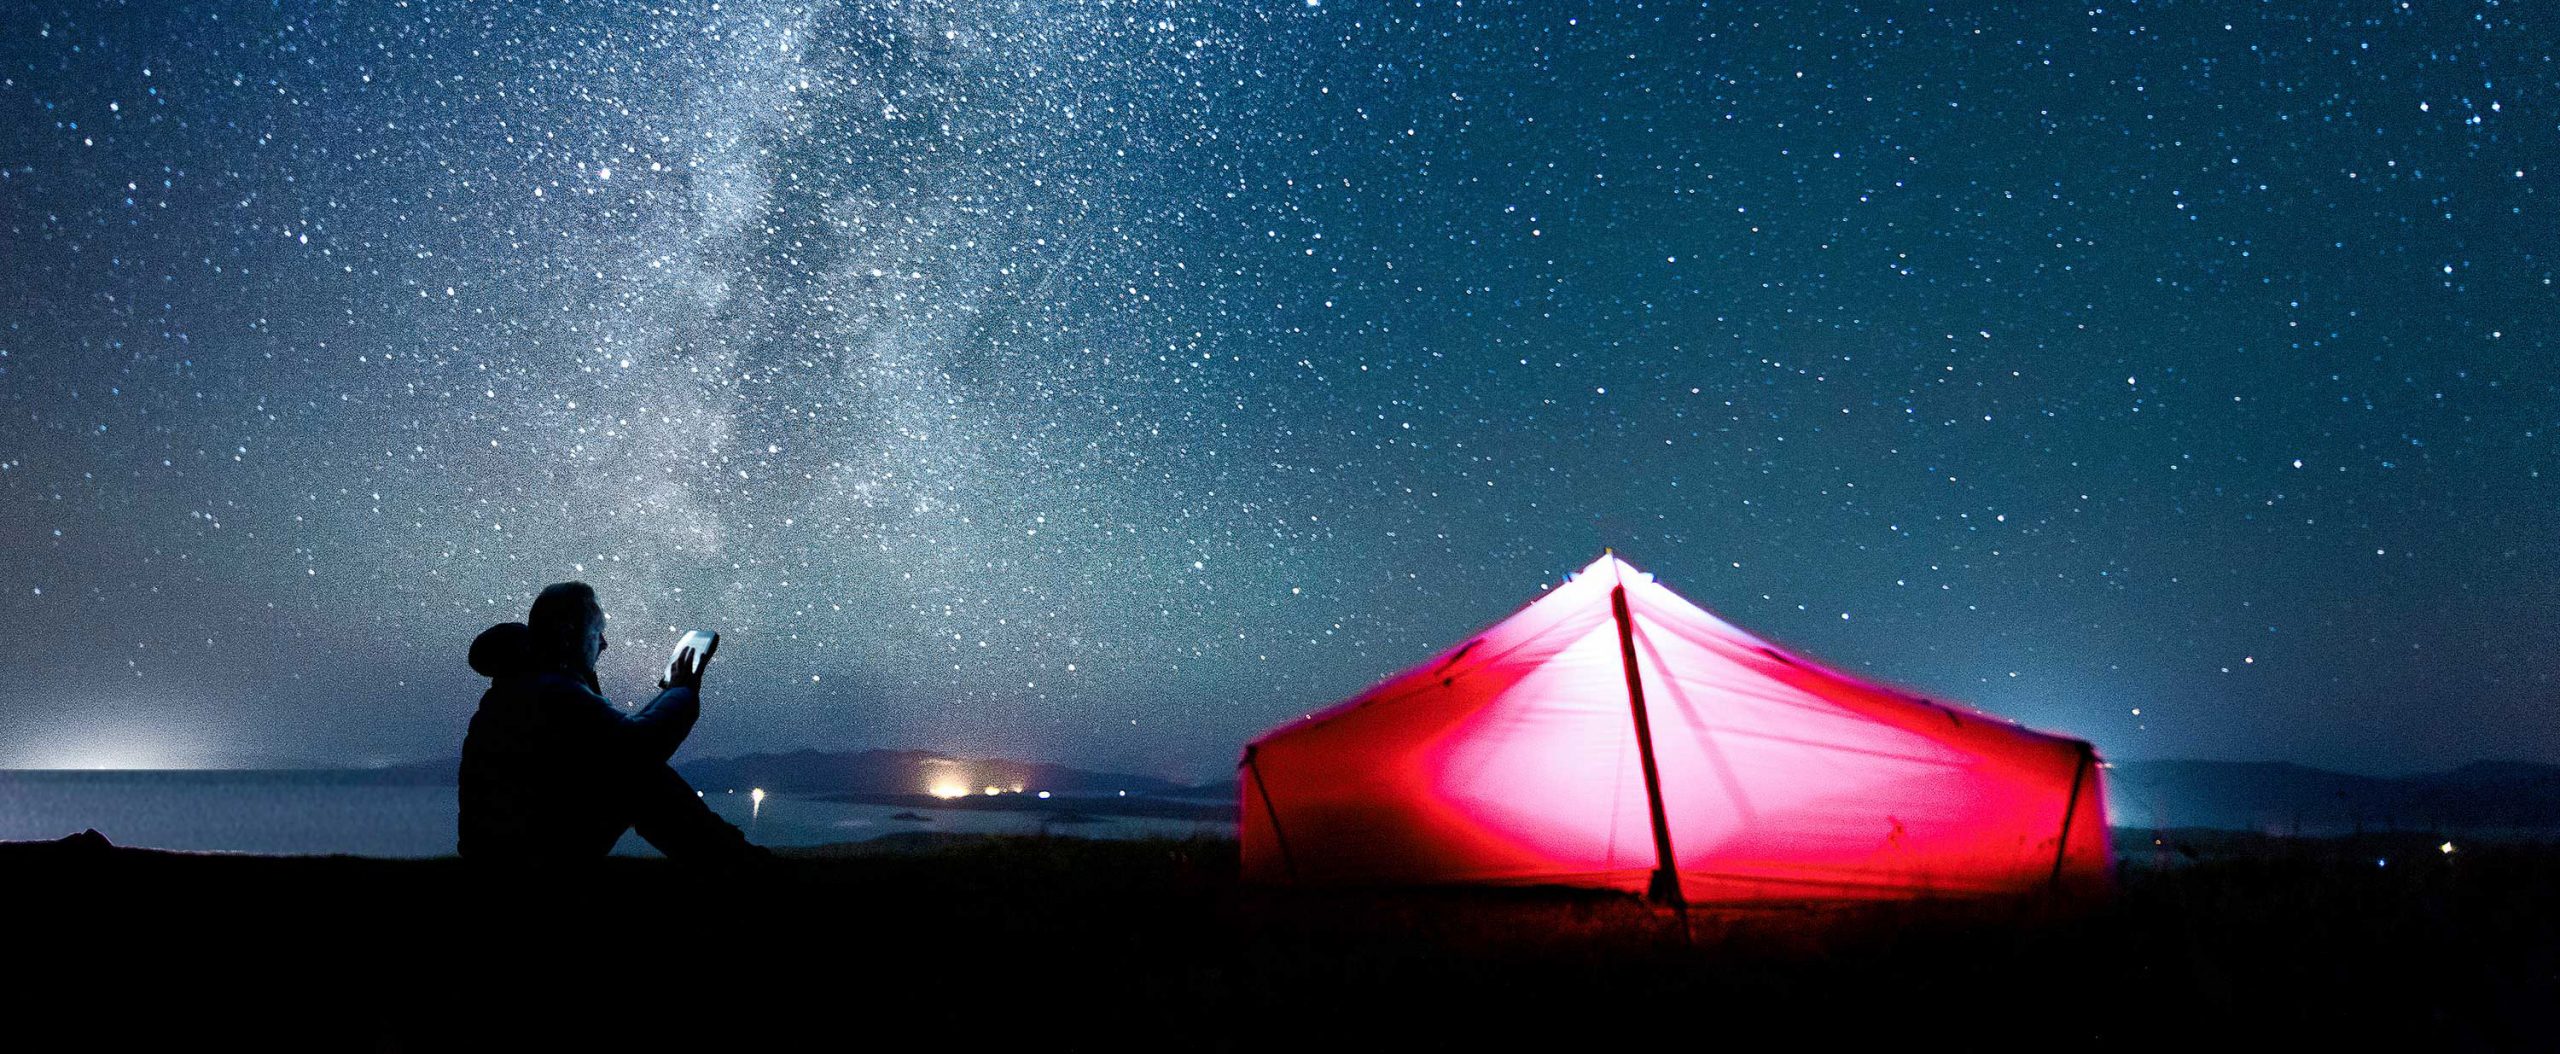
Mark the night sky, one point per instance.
(1106, 383)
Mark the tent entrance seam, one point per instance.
(1665, 886)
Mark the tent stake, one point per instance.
(1665, 887)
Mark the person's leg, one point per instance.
(666, 811)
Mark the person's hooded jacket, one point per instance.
(548, 761)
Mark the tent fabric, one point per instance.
(1512, 758)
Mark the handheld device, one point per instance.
(702, 642)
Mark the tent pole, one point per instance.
(1288, 865)
(1665, 887)
(2062, 848)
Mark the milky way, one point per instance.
(1109, 382)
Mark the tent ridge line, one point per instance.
(1372, 697)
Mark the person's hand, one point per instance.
(685, 672)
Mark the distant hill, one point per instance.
(2271, 797)
(869, 773)
(2282, 798)
(422, 774)
(908, 772)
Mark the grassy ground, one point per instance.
(2209, 942)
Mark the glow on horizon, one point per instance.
(115, 748)
(946, 778)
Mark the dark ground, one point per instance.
(2209, 942)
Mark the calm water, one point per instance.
(273, 813)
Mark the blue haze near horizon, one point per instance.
(272, 814)
(1105, 384)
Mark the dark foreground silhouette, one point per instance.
(1063, 944)
(553, 772)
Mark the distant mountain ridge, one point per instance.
(2277, 797)
(878, 772)
(2270, 797)
(867, 773)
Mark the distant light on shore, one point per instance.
(755, 803)
(946, 778)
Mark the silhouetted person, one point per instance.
(552, 771)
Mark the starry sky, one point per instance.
(1108, 382)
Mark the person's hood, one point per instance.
(506, 648)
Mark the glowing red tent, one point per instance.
(1612, 734)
